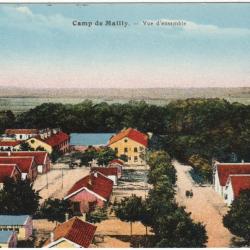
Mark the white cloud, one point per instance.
(24, 10)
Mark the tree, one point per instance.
(129, 209)
(123, 157)
(88, 156)
(55, 155)
(97, 215)
(24, 146)
(18, 197)
(105, 155)
(237, 220)
(55, 209)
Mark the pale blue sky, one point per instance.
(39, 46)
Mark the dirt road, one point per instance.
(206, 206)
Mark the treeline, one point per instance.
(170, 224)
(209, 128)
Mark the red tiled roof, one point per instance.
(106, 171)
(75, 230)
(24, 162)
(56, 139)
(100, 185)
(9, 143)
(40, 156)
(224, 170)
(21, 131)
(131, 133)
(240, 182)
(117, 161)
(6, 170)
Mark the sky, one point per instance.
(41, 48)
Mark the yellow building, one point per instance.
(36, 143)
(132, 143)
(73, 233)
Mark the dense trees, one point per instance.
(54, 210)
(209, 128)
(171, 224)
(237, 220)
(18, 197)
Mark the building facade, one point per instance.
(131, 143)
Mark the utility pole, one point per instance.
(62, 177)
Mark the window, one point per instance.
(32, 141)
(125, 140)
(141, 148)
(20, 136)
(135, 150)
(125, 150)
(136, 158)
(116, 150)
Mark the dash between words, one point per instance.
(89, 24)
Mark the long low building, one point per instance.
(230, 179)
(21, 224)
(8, 239)
(41, 158)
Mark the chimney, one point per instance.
(66, 217)
(51, 236)
(9, 153)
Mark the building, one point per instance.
(58, 141)
(22, 134)
(9, 170)
(8, 239)
(21, 224)
(94, 189)
(41, 158)
(117, 163)
(110, 172)
(222, 172)
(8, 145)
(132, 143)
(73, 233)
(234, 185)
(26, 164)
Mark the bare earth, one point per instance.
(206, 206)
(60, 180)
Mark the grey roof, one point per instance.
(13, 220)
(5, 236)
(87, 139)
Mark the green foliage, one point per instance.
(124, 158)
(201, 166)
(171, 224)
(7, 120)
(55, 155)
(105, 155)
(18, 197)
(97, 215)
(237, 220)
(129, 209)
(88, 156)
(24, 146)
(55, 210)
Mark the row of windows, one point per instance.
(126, 149)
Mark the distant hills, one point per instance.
(129, 94)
